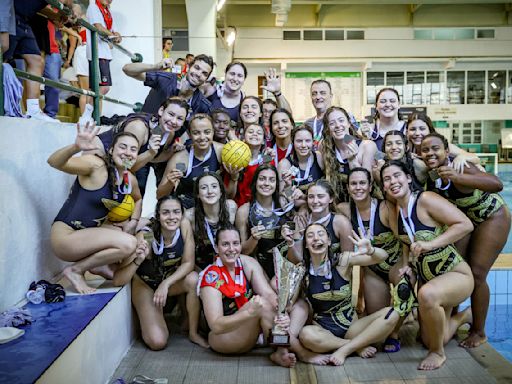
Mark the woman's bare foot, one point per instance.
(432, 361)
(338, 357)
(367, 353)
(313, 358)
(473, 340)
(104, 271)
(284, 358)
(77, 281)
(197, 339)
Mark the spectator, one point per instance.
(166, 50)
(23, 45)
(7, 23)
(166, 84)
(80, 62)
(99, 15)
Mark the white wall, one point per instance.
(32, 194)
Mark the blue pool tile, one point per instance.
(501, 282)
(502, 299)
(53, 328)
(491, 280)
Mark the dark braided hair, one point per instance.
(110, 162)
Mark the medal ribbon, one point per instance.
(126, 187)
(407, 222)
(360, 224)
(191, 160)
(158, 247)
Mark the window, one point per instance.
(455, 86)
(496, 87)
(396, 80)
(355, 35)
(413, 92)
(291, 35)
(434, 88)
(334, 34)
(423, 34)
(509, 88)
(485, 33)
(313, 34)
(463, 34)
(476, 87)
(374, 83)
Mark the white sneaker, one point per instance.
(40, 115)
(84, 119)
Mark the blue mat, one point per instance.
(53, 328)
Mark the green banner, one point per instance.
(323, 75)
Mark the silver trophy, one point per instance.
(288, 279)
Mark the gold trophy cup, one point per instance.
(288, 279)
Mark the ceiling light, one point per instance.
(493, 85)
(231, 36)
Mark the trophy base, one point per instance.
(279, 340)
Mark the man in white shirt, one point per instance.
(98, 14)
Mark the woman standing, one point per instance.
(475, 193)
(282, 124)
(77, 234)
(160, 268)
(430, 225)
(228, 96)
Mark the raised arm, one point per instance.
(138, 70)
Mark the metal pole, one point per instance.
(95, 75)
(2, 111)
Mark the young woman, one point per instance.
(260, 221)
(269, 106)
(328, 289)
(160, 268)
(77, 234)
(300, 168)
(387, 118)
(341, 150)
(474, 193)
(420, 125)
(250, 113)
(222, 130)
(238, 302)
(228, 96)
(282, 124)
(429, 225)
(185, 166)
(210, 212)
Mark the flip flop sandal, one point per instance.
(141, 379)
(391, 345)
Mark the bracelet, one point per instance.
(372, 253)
(277, 94)
(133, 261)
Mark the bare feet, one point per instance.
(337, 358)
(432, 361)
(77, 280)
(313, 358)
(367, 353)
(283, 358)
(473, 340)
(197, 339)
(104, 271)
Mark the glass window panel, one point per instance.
(434, 88)
(496, 87)
(291, 35)
(334, 34)
(464, 34)
(509, 87)
(476, 87)
(313, 34)
(355, 35)
(455, 87)
(423, 34)
(443, 34)
(374, 82)
(395, 78)
(413, 92)
(485, 33)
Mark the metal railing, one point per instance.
(95, 74)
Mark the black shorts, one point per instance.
(105, 78)
(24, 43)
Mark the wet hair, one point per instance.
(395, 132)
(155, 224)
(199, 116)
(280, 110)
(423, 117)
(295, 130)
(331, 168)
(269, 101)
(220, 111)
(199, 215)
(260, 119)
(204, 58)
(353, 214)
(225, 228)
(110, 162)
(376, 116)
(176, 100)
(275, 195)
(322, 183)
(439, 136)
(320, 81)
(405, 169)
(233, 63)
(121, 125)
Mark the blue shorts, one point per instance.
(23, 43)
(105, 77)
(7, 19)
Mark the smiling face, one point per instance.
(198, 73)
(359, 186)
(303, 143)
(396, 182)
(388, 104)
(321, 96)
(254, 135)
(416, 131)
(235, 78)
(266, 183)
(221, 125)
(394, 147)
(229, 246)
(317, 239)
(172, 118)
(250, 111)
(433, 152)
(201, 133)
(268, 108)
(170, 215)
(209, 190)
(318, 200)
(125, 149)
(338, 124)
(281, 125)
